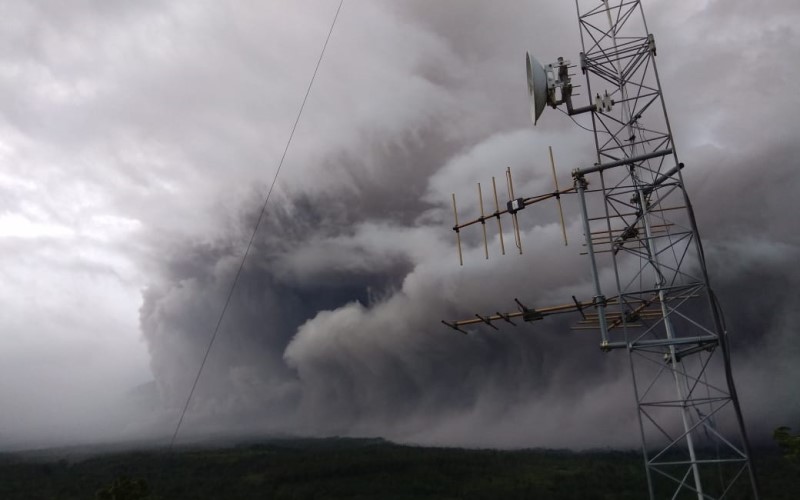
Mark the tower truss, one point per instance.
(639, 222)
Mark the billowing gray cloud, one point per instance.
(153, 133)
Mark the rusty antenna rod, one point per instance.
(514, 221)
(558, 195)
(497, 215)
(457, 229)
(483, 222)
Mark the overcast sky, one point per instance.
(138, 139)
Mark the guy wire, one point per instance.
(255, 231)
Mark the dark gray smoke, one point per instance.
(335, 326)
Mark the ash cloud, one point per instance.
(340, 319)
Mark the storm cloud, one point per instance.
(148, 137)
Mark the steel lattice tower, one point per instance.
(639, 221)
(652, 295)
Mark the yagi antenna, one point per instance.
(530, 314)
(512, 206)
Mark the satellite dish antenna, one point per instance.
(538, 86)
(551, 84)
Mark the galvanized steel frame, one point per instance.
(641, 224)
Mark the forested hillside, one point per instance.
(347, 469)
